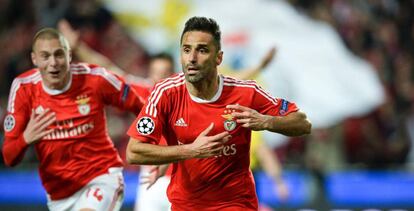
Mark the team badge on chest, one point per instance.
(83, 104)
(229, 122)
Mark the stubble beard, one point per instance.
(194, 78)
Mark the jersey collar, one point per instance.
(58, 91)
(214, 98)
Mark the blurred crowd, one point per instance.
(380, 31)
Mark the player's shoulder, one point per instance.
(95, 74)
(82, 68)
(29, 73)
(238, 83)
(87, 69)
(171, 84)
(246, 87)
(164, 91)
(28, 77)
(24, 86)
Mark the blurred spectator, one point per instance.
(49, 12)
(99, 29)
(263, 158)
(381, 32)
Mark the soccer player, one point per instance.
(207, 120)
(150, 196)
(58, 108)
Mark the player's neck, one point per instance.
(57, 88)
(205, 89)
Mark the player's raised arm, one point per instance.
(250, 73)
(84, 52)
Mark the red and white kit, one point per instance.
(79, 149)
(217, 183)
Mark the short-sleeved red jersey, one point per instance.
(213, 183)
(79, 148)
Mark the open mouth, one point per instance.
(54, 73)
(192, 70)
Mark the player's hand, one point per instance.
(152, 176)
(36, 128)
(207, 146)
(69, 33)
(282, 191)
(249, 118)
(268, 58)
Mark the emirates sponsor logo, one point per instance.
(228, 150)
(65, 129)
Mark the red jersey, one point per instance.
(143, 89)
(215, 183)
(79, 149)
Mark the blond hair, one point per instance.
(48, 34)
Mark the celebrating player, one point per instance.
(207, 120)
(58, 108)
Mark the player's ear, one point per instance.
(219, 57)
(33, 56)
(70, 55)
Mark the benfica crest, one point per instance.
(229, 123)
(83, 104)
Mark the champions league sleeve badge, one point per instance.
(284, 108)
(9, 123)
(229, 123)
(145, 126)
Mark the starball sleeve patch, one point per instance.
(9, 123)
(145, 126)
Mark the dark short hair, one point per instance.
(164, 56)
(50, 33)
(204, 24)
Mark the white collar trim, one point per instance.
(214, 98)
(58, 91)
